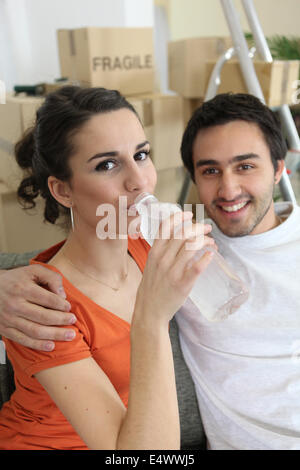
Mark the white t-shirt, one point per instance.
(246, 369)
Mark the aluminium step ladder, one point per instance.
(244, 55)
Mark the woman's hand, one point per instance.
(31, 299)
(170, 271)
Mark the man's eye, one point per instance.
(142, 155)
(210, 171)
(105, 166)
(246, 166)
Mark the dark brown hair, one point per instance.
(46, 148)
(229, 107)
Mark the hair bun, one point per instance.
(24, 150)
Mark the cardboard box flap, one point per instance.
(276, 79)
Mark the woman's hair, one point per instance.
(45, 149)
(228, 107)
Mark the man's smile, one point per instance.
(233, 209)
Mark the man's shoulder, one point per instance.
(286, 208)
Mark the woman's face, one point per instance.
(111, 160)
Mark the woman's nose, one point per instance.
(135, 180)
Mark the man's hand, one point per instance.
(32, 300)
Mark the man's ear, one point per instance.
(279, 171)
(60, 190)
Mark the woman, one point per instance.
(113, 387)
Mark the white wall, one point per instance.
(138, 13)
(7, 66)
(28, 29)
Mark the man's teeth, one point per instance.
(235, 208)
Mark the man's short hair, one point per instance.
(228, 107)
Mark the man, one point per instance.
(244, 368)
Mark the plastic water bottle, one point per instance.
(218, 292)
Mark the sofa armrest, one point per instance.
(15, 260)
(192, 433)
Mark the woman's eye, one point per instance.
(105, 166)
(142, 155)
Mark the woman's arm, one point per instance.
(153, 412)
(84, 393)
(91, 404)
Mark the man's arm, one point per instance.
(32, 299)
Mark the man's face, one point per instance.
(235, 178)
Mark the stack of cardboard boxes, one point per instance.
(115, 58)
(19, 230)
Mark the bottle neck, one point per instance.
(144, 200)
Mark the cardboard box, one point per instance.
(192, 195)
(22, 230)
(114, 58)
(169, 184)
(162, 117)
(189, 107)
(16, 116)
(51, 87)
(276, 79)
(187, 63)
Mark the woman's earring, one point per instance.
(72, 218)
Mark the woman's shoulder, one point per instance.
(45, 256)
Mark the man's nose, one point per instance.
(229, 187)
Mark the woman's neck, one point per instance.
(97, 257)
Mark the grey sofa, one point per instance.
(192, 434)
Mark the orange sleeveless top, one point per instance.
(30, 419)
